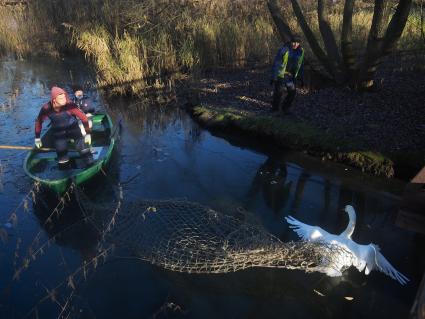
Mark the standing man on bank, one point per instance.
(287, 67)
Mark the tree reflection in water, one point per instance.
(270, 181)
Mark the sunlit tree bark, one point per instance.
(282, 26)
(374, 43)
(329, 41)
(347, 52)
(311, 38)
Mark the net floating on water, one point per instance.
(183, 236)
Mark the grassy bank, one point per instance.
(290, 133)
(132, 44)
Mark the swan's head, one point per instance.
(351, 212)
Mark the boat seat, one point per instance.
(50, 156)
(98, 127)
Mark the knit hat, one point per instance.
(77, 87)
(296, 38)
(55, 92)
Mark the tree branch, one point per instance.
(396, 26)
(378, 22)
(312, 41)
(282, 26)
(374, 45)
(346, 38)
(327, 34)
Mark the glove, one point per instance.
(38, 143)
(89, 116)
(82, 129)
(87, 139)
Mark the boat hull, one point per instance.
(42, 166)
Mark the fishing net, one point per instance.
(183, 236)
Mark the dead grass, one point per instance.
(132, 44)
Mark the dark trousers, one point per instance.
(280, 86)
(61, 144)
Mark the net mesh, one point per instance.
(183, 236)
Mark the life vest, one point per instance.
(62, 120)
(299, 56)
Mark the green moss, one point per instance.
(370, 162)
(289, 132)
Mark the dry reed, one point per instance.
(132, 44)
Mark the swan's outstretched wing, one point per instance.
(383, 265)
(306, 232)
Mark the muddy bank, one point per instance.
(381, 133)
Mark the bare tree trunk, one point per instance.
(396, 26)
(312, 41)
(347, 41)
(329, 40)
(378, 44)
(282, 26)
(374, 46)
(422, 21)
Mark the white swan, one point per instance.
(363, 257)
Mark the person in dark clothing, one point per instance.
(63, 115)
(82, 100)
(287, 67)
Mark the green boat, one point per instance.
(42, 166)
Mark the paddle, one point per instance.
(26, 148)
(29, 148)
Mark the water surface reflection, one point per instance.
(163, 154)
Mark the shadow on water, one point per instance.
(69, 230)
(72, 227)
(163, 154)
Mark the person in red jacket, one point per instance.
(64, 115)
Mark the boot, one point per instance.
(64, 163)
(87, 157)
(89, 161)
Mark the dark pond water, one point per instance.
(163, 154)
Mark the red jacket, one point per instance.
(62, 120)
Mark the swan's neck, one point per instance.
(350, 227)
